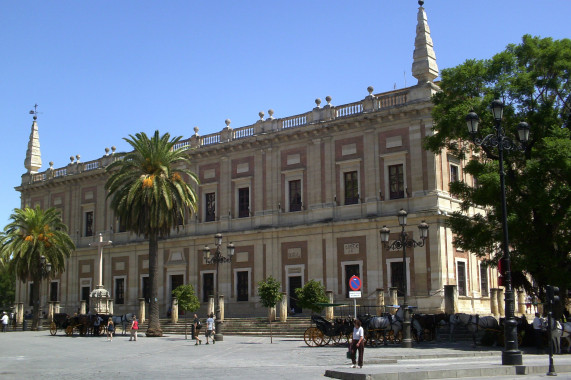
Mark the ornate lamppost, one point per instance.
(510, 355)
(217, 259)
(403, 242)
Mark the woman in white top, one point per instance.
(358, 343)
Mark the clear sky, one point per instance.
(101, 70)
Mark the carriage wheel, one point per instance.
(337, 339)
(53, 328)
(319, 338)
(308, 336)
(69, 330)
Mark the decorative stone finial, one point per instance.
(424, 67)
(78, 157)
(261, 115)
(113, 149)
(196, 131)
(271, 113)
(71, 158)
(420, 2)
(33, 161)
(51, 165)
(370, 90)
(107, 151)
(227, 121)
(317, 102)
(328, 100)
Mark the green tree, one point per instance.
(270, 294)
(532, 79)
(311, 295)
(31, 235)
(150, 194)
(187, 301)
(7, 287)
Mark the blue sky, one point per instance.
(101, 70)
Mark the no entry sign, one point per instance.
(355, 283)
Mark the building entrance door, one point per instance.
(176, 281)
(350, 271)
(207, 286)
(294, 283)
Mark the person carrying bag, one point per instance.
(134, 329)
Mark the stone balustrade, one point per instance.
(371, 103)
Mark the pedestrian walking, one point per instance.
(357, 344)
(528, 304)
(196, 326)
(110, 329)
(134, 328)
(537, 325)
(4, 321)
(210, 328)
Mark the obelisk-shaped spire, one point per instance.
(424, 67)
(33, 160)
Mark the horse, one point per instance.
(427, 324)
(122, 320)
(566, 334)
(375, 326)
(473, 323)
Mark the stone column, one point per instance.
(110, 306)
(174, 310)
(329, 309)
(221, 303)
(494, 301)
(380, 301)
(142, 316)
(83, 307)
(50, 310)
(272, 314)
(283, 308)
(501, 302)
(393, 297)
(450, 299)
(210, 309)
(20, 313)
(520, 302)
(56, 307)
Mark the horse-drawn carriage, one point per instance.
(81, 324)
(339, 331)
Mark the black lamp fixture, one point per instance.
(403, 242)
(218, 258)
(511, 354)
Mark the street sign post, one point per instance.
(355, 286)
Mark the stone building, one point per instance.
(301, 197)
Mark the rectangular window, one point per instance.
(351, 184)
(210, 212)
(53, 291)
(396, 181)
(462, 291)
(147, 289)
(484, 280)
(244, 202)
(89, 223)
(397, 277)
(453, 173)
(85, 292)
(295, 195)
(207, 286)
(242, 286)
(122, 225)
(119, 291)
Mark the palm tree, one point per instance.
(150, 196)
(33, 241)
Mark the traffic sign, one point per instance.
(355, 283)
(354, 294)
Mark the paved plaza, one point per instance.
(37, 355)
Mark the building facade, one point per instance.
(301, 198)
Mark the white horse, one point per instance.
(566, 334)
(122, 320)
(560, 331)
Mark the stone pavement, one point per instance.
(35, 355)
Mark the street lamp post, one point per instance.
(510, 355)
(404, 242)
(217, 259)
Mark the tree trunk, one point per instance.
(154, 328)
(36, 300)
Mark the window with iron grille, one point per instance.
(53, 291)
(295, 195)
(453, 173)
(89, 223)
(462, 291)
(351, 184)
(397, 277)
(396, 181)
(484, 280)
(244, 202)
(210, 211)
(119, 291)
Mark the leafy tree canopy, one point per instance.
(311, 295)
(270, 292)
(186, 298)
(7, 287)
(532, 79)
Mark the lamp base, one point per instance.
(512, 357)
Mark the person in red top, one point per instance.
(134, 328)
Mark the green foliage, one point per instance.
(532, 79)
(31, 235)
(150, 190)
(270, 292)
(187, 299)
(7, 287)
(310, 295)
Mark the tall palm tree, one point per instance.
(34, 240)
(150, 196)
